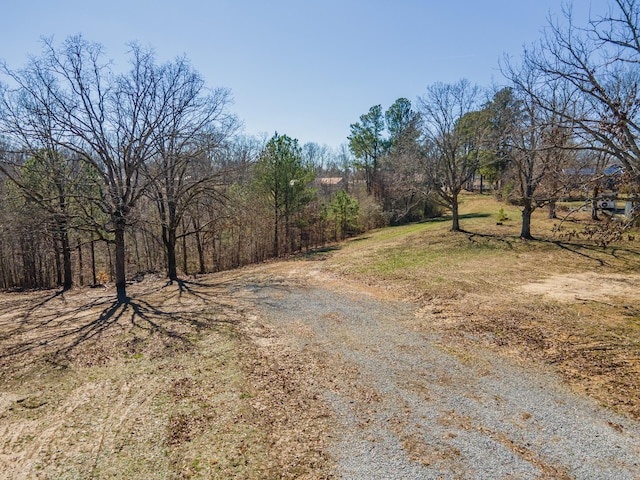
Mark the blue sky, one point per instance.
(302, 68)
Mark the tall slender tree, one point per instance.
(182, 169)
(403, 187)
(285, 178)
(367, 145)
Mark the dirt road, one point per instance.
(409, 404)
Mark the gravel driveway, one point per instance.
(411, 405)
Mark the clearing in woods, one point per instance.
(321, 365)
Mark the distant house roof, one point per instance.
(332, 181)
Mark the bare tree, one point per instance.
(540, 139)
(112, 121)
(182, 170)
(453, 136)
(598, 64)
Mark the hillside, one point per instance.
(248, 373)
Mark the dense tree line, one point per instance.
(105, 175)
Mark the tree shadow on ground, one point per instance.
(507, 240)
(318, 254)
(199, 290)
(601, 256)
(57, 326)
(449, 218)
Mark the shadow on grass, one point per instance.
(56, 331)
(319, 253)
(628, 255)
(507, 240)
(449, 218)
(599, 255)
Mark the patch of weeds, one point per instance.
(135, 356)
(502, 217)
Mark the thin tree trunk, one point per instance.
(80, 265)
(93, 262)
(56, 252)
(147, 250)
(185, 267)
(67, 281)
(137, 249)
(238, 247)
(200, 248)
(120, 266)
(594, 203)
(275, 236)
(552, 209)
(214, 251)
(288, 243)
(110, 257)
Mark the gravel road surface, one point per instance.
(412, 405)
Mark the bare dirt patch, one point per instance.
(588, 286)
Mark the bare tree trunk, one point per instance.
(525, 231)
(239, 247)
(185, 266)
(137, 250)
(275, 236)
(594, 203)
(93, 261)
(147, 250)
(67, 281)
(552, 209)
(120, 266)
(56, 253)
(288, 242)
(455, 227)
(169, 239)
(110, 257)
(3, 272)
(80, 265)
(199, 246)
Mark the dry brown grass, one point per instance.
(168, 385)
